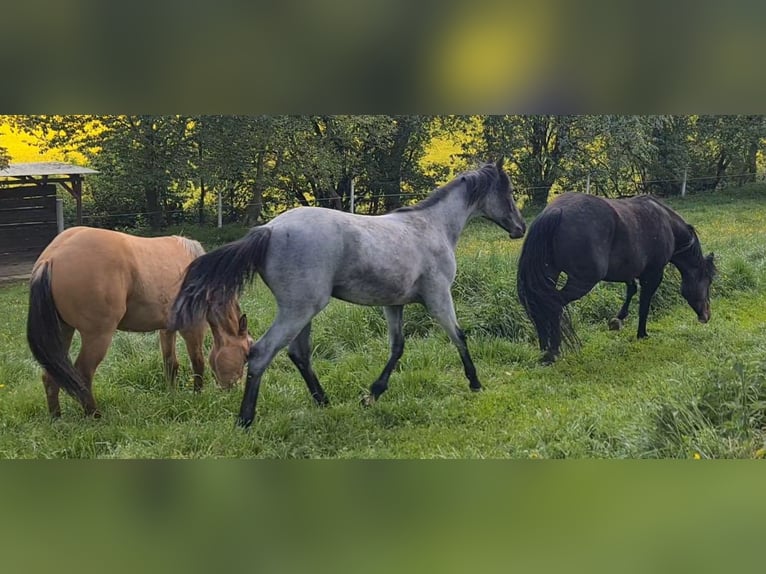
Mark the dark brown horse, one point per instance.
(96, 281)
(592, 239)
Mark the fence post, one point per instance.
(220, 210)
(352, 195)
(587, 184)
(683, 184)
(59, 215)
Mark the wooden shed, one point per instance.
(28, 210)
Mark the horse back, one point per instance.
(643, 239)
(106, 279)
(611, 239)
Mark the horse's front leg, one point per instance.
(615, 324)
(394, 318)
(439, 304)
(169, 359)
(649, 284)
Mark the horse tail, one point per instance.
(537, 291)
(214, 279)
(44, 335)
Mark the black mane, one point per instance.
(479, 182)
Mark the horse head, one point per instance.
(231, 345)
(696, 277)
(499, 205)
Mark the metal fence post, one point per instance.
(683, 184)
(220, 210)
(352, 195)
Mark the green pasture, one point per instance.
(689, 391)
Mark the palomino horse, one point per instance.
(593, 239)
(308, 255)
(96, 281)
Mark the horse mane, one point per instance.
(193, 247)
(478, 181)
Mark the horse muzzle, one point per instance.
(704, 316)
(517, 231)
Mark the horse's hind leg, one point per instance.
(300, 354)
(394, 316)
(51, 386)
(573, 289)
(92, 352)
(441, 308)
(169, 359)
(194, 340)
(289, 323)
(616, 323)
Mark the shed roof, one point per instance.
(43, 168)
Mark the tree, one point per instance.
(538, 146)
(149, 152)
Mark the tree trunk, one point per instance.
(201, 201)
(750, 163)
(153, 207)
(538, 195)
(255, 205)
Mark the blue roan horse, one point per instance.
(592, 239)
(308, 255)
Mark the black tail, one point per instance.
(537, 292)
(44, 335)
(214, 279)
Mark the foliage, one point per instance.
(161, 170)
(687, 391)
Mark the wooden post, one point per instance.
(59, 215)
(352, 195)
(587, 184)
(77, 192)
(683, 184)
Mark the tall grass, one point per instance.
(688, 391)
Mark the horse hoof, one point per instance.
(548, 359)
(322, 401)
(476, 389)
(615, 324)
(368, 401)
(244, 423)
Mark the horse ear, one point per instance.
(243, 325)
(500, 162)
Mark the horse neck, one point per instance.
(450, 214)
(684, 255)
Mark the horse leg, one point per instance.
(289, 323)
(92, 352)
(194, 339)
(394, 318)
(299, 352)
(649, 284)
(441, 308)
(572, 290)
(615, 324)
(50, 384)
(169, 359)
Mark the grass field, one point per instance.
(689, 391)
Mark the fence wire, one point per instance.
(366, 198)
